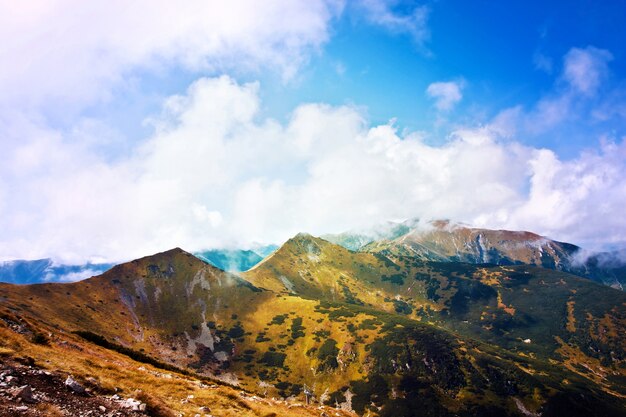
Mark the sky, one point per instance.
(131, 128)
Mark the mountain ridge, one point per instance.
(355, 327)
(445, 241)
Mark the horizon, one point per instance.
(146, 127)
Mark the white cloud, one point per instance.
(415, 24)
(446, 94)
(577, 200)
(585, 69)
(215, 174)
(584, 72)
(82, 51)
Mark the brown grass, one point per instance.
(571, 320)
(155, 406)
(164, 396)
(49, 410)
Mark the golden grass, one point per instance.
(166, 392)
(571, 320)
(507, 308)
(588, 367)
(487, 277)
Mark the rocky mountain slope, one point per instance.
(361, 333)
(443, 241)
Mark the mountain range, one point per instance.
(318, 329)
(46, 270)
(443, 241)
(439, 241)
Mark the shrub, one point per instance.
(275, 359)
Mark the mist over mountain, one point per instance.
(235, 260)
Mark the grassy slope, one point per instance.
(566, 319)
(273, 342)
(108, 372)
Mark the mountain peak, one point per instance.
(307, 242)
(303, 236)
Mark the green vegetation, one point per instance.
(274, 359)
(327, 355)
(297, 330)
(279, 319)
(397, 279)
(402, 307)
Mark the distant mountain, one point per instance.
(355, 332)
(235, 260)
(606, 267)
(45, 270)
(443, 241)
(355, 240)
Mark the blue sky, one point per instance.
(506, 54)
(128, 129)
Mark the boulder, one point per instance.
(74, 386)
(23, 393)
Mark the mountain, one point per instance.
(606, 267)
(370, 334)
(355, 240)
(45, 270)
(447, 242)
(499, 304)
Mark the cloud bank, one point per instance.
(216, 174)
(79, 51)
(213, 172)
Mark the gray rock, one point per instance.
(74, 386)
(133, 404)
(23, 393)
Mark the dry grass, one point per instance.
(155, 406)
(507, 308)
(571, 320)
(49, 410)
(166, 393)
